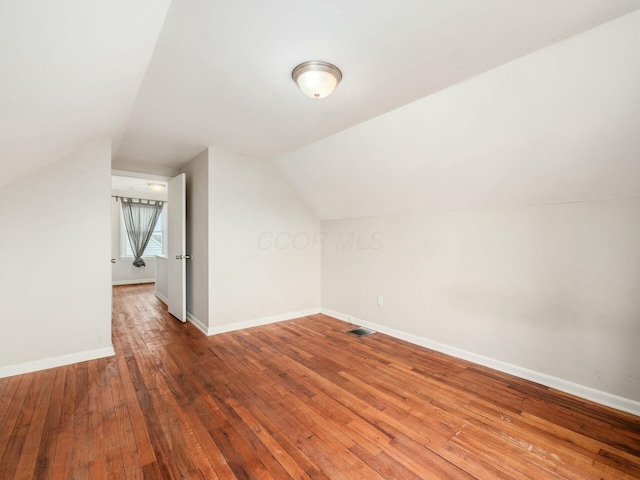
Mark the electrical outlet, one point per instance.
(380, 300)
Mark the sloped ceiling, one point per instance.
(70, 71)
(559, 125)
(221, 73)
(166, 79)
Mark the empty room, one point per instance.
(345, 240)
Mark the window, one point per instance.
(156, 243)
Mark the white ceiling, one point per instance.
(170, 78)
(70, 71)
(559, 125)
(220, 74)
(137, 187)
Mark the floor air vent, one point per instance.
(361, 332)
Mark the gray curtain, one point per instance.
(140, 218)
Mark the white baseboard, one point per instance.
(588, 393)
(53, 362)
(256, 322)
(162, 298)
(197, 323)
(133, 282)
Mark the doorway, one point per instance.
(165, 256)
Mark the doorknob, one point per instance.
(178, 257)
(187, 257)
(113, 260)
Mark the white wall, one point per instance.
(551, 288)
(198, 195)
(125, 167)
(244, 270)
(264, 264)
(55, 280)
(162, 278)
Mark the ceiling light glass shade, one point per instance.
(156, 187)
(316, 79)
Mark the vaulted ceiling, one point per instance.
(164, 79)
(70, 71)
(558, 125)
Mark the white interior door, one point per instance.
(177, 274)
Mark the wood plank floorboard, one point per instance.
(295, 400)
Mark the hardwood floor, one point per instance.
(298, 399)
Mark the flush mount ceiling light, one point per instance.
(316, 79)
(157, 187)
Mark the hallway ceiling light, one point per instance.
(157, 187)
(316, 79)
